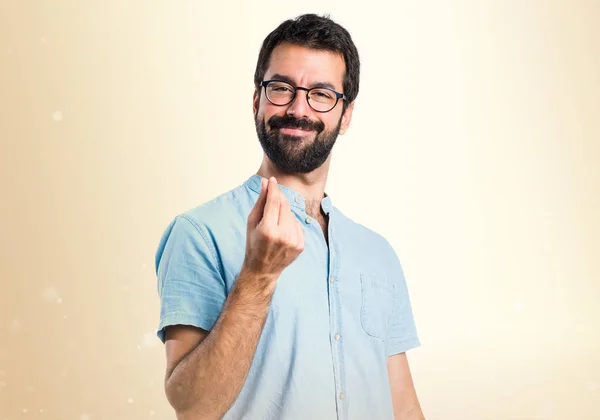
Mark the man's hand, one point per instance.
(274, 236)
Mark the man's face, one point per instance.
(296, 138)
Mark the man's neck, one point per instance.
(310, 186)
(313, 209)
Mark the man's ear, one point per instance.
(255, 100)
(346, 118)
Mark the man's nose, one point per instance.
(299, 106)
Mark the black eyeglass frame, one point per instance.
(338, 95)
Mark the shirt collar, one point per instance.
(295, 199)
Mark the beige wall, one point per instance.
(474, 149)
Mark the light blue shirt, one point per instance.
(337, 313)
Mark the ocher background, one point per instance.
(474, 149)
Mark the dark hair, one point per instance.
(320, 33)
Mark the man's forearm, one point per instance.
(207, 380)
(413, 414)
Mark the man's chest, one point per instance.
(335, 292)
(323, 223)
(335, 284)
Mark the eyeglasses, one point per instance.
(319, 98)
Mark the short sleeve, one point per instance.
(190, 286)
(403, 331)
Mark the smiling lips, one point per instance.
(294, 131)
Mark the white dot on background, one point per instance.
(152, 413)
(16, 324)
(591, 386)
(85, 416)
(51, 294)
(59, 300)
(150, 339)
(24, 410)
(130, 400)
(57, 116)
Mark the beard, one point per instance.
(296, 154)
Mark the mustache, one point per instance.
(290, 122)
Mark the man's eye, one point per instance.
(281, 89)
(322, 94)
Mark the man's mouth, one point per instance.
(294, 131)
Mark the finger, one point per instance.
(258, 209)
(287, 218)
(262, 197)
(271, 212)
(284, 209)
(286, 230)
(300, 234)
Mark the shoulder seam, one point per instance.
(201, 232)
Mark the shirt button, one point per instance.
(309, 219)
(337, 336)
(341, 395)
(297, 199)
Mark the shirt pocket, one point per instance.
(377, 304)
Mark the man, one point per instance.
(274, 305)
